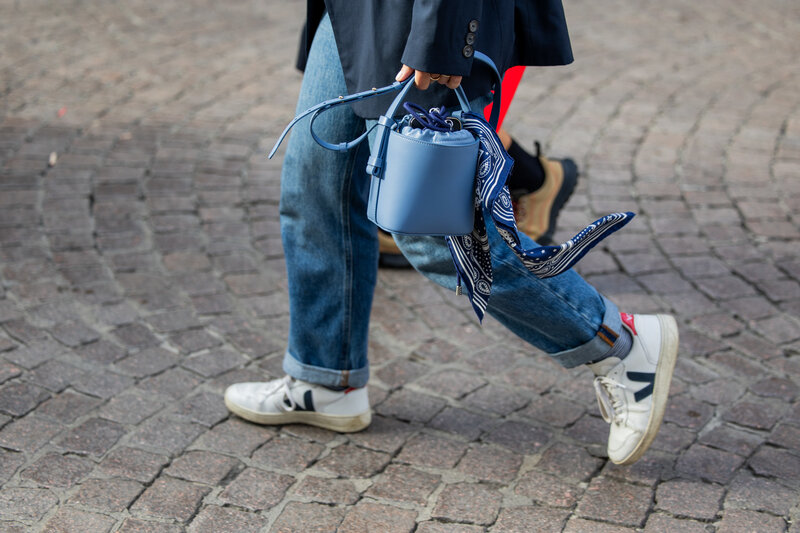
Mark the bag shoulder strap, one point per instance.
(329, 104)
(498, 81)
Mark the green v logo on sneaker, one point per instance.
(643, 377)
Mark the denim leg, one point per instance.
(564, 316)
(331, 248)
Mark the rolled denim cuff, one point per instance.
(597, 347)
(325, 376)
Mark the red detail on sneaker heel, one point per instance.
(351, 389)
(628, 319)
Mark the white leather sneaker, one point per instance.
(291, 401)
(632, 392)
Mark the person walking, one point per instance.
(331, 247)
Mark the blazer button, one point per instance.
(467, 51)
(470, 38)
(473, 25)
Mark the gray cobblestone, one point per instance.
(519, 437)
(142, 272)
(170, 498)
(93, 437)
(351, 461)
(445, 527)
(384, 435)
(735, 521)
(612, 501)
(202, 467)
(779, 463)
(147, 362)
(713, 465)
(468, 502)
(488, 463)
(732, 439)
(102, 384)
(204, 408)
(132, 463)
(759, 494)
(432, 451)
(299, 517)
(404, 484)
(55, 376)
(521, 518)
(54, 470)
(16, 398)
(693, 500)
(212, 519)
(165, 434)
(568, 462)
(462, 422)
(665, 524)
(28, 434)
(368, 516)
(287, 453)
(235, 437)
(26, 503)
(331, 491)
(412, 406)
(111, 495)
(11, 461)
(256, 489)
(548, 490)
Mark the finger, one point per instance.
(404, 73)
(454, 82)
(422, 80)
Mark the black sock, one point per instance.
(527, 174)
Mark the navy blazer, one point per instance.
(375, 37)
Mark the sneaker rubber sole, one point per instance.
(338, 423)
(664, 369)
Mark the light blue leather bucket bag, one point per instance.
(422, 176)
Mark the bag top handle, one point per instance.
(403, 87)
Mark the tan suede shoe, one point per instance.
(536, 212)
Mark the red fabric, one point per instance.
(510, 83)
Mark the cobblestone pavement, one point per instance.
(142, 272)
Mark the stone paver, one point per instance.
(141, 272)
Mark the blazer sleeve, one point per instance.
(443, 36)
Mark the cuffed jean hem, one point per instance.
(599, 345)
(325, 376)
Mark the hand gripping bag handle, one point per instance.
(385, 120)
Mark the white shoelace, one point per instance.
(273, 387)
(609, 398)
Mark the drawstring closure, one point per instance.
(433, 119)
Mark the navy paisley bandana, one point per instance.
(471, 254)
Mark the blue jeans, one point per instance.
(332, 255)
